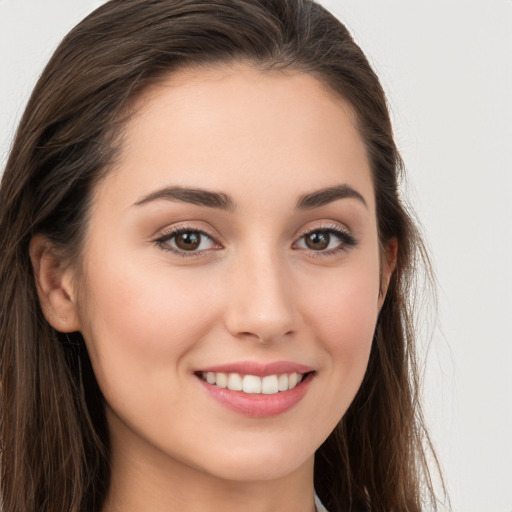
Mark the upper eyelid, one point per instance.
(169, 232)
(324, 226)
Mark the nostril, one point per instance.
(247, 334)
(265, 336)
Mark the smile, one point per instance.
(252, 384)
(257, 390)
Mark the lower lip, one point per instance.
(259, 405)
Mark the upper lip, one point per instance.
(259, 369)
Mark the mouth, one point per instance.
(253, 384)
(257, 390)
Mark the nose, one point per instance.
(261, 305)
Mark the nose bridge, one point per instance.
(261, 304)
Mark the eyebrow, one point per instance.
(222, 201)
(328, 195)
(191, 195)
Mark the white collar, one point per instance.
(318, 505)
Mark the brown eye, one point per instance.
(188, 241)
(326, 241)
(317, 240)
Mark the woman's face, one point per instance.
(235, 242)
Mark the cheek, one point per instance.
(348, 319)
(342, 314)
(145, 323)
(343, 306)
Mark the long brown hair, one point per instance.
(53, 432)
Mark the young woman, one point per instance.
(205, 271)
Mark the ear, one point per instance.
(388, 265)
(54, 285)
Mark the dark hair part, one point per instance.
(53, 432)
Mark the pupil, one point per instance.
(188, 241)
(318, 240)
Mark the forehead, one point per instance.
(236, 127)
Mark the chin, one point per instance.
(259, 461)
(259, 470)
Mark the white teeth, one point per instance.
(221, 380)
(283, 382)
(234, 382)
(269, 385)
(252, 384)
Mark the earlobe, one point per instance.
(388, 265)
(54, 285)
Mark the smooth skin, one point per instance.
(254, 278)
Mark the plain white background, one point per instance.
(447, 69)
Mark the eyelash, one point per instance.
(346, 240)
(164, 238)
